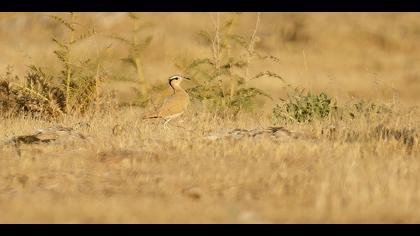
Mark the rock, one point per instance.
(57, 135)
(270, 132)
(194, 193)
(48, 135)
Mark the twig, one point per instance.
(251, 46)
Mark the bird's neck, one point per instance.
(177, 88)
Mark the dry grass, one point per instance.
(140, 173)
(146, 174)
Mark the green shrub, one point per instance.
(37, 97)
(222, 79)
(137, 44)
(302, 107)
(71, 91)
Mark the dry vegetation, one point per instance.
(347, 83)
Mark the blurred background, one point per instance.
(348, 55)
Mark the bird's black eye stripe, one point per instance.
(172, 79)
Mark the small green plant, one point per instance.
(223, 78)
(79, 79)
(368, 108)
(136, 47)
(301, 107)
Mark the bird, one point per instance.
(173, 105)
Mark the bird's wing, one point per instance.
(174, 104)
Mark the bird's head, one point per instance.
(176, 80)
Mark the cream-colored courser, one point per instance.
(174, 105)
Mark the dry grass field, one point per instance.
(354, 159)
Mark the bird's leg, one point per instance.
(165, 125)
(178, 126)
